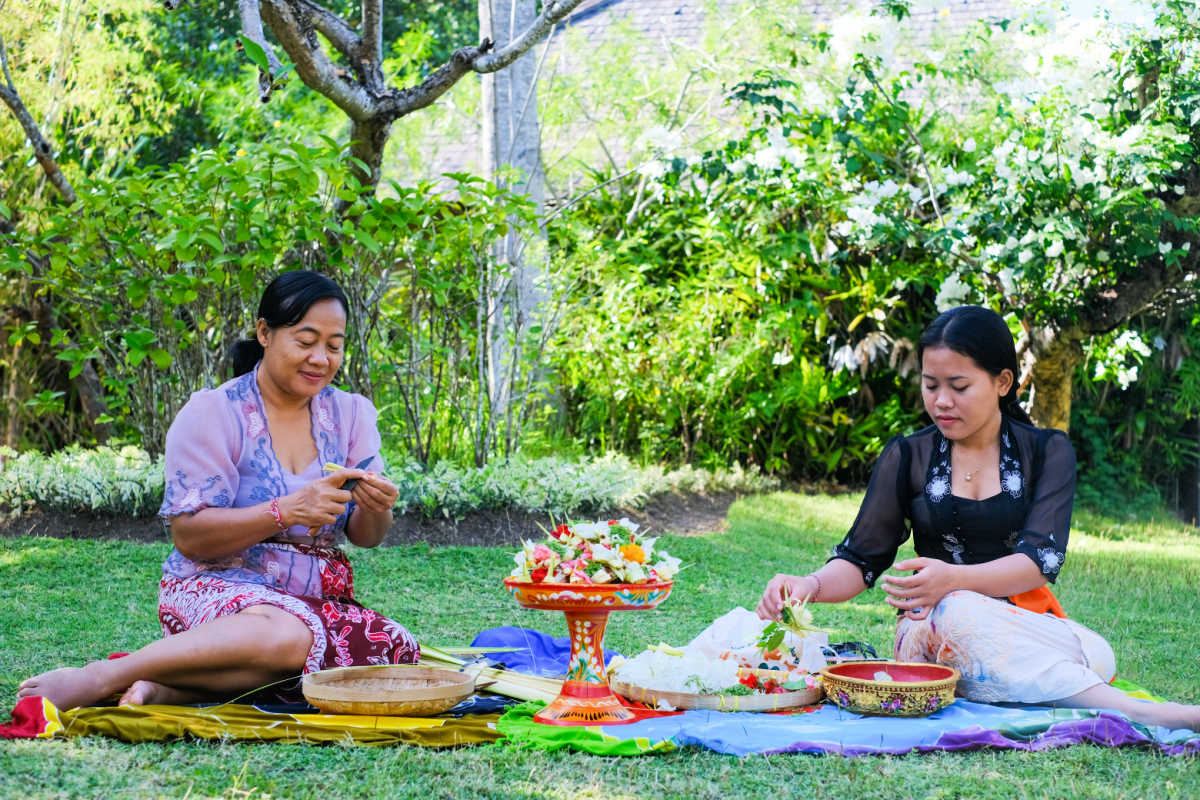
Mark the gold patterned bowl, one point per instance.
(915, 689)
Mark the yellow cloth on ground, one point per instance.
(234, 722)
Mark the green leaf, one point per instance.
(212, 240)
(161, 358)
(256, 53)
(139, 340)
(366, 240)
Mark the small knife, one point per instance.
(350, 484)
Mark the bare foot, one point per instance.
(67, 688)
(147, 693)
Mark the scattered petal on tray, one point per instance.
(595, 553)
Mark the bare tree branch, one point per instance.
(253, 30)
(42, 151)
(553, 12)
(372, 27)
(293, 26)
(406, 101)
(339, 33)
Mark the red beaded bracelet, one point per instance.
(813, 597)
(277, 515)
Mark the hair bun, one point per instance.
(246, 353)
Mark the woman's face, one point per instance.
(302, 359)
(960, 396)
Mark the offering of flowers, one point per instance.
(728, 658)
(595, 553)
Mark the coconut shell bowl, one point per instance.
(586, 698)
(915, 689)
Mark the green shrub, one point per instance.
(129, 482)
(104, 480)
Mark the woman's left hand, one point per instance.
(375, 493)
(917, 594)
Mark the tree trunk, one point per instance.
(511, 145)
(368, 140)
(1054, 357)
(1189, 489)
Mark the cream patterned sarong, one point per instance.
(1005, 653)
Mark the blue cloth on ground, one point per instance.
(537, 654)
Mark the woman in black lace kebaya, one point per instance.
(988, 497)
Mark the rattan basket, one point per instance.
(395, 690)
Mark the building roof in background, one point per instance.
(684, 20)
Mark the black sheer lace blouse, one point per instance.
(911, 486)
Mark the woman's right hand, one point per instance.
(781, 587)
(319, 503)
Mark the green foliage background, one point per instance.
(756, 228)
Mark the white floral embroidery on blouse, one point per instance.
(1051, 560)
(954, 547)
(937, 489)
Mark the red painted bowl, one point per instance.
(915, 689)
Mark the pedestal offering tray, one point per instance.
(398, 690)
(586, 698)
(890, 688)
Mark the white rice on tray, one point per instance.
(709, 663)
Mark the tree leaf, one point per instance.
(256, 53)
(161, 358)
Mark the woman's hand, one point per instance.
(917, 594)
(793, 586)
(319, 503)
(375, 493)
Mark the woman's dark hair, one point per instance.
(983, 336)
(284, 303)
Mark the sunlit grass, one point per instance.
(64, 602)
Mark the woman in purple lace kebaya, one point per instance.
(256, 589)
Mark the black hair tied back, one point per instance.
(983, 336)
(284, 303)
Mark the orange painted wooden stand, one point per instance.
(585, 698)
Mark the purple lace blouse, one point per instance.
(219, 454)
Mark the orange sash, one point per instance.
(1039, 601)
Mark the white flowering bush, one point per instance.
(761, 300)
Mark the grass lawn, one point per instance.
(65, 602)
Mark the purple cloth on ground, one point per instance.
(538, 653)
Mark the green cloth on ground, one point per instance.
(520, 730)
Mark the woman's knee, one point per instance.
(957, 605)
(285, 639)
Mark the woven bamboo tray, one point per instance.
(722, 702)
(397, 690)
